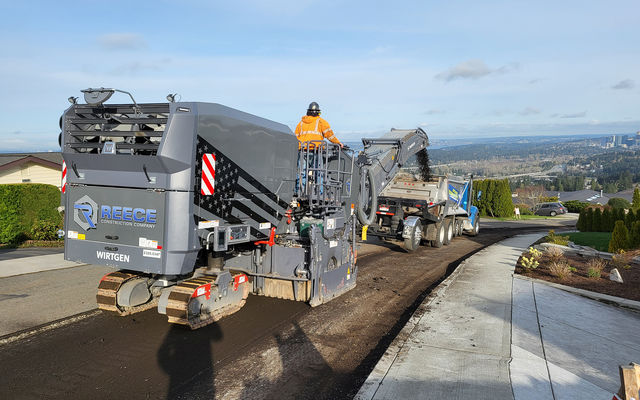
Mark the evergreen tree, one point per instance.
(589, 220)
(636, 199)
(619, 238)
(490, 194)
(629, 219)
(581, 224)
(597, 225)
(607, 221)
(503, 202)
(634, 235)
(619, 214)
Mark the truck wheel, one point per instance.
(411, 244)
(476, 228)
(458, 227)
(448, 231)
(440, 235)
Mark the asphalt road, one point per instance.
(270, 349)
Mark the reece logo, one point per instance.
(84, 213)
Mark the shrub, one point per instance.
(575, 206)
(556, 239)
(629, 219)
(618, 202)
(621, 260)
(535, 253)
(593, 273)
(589, 220)
(619, 238)
(595, 267)
(598, 225)
(21, 205)
(582, 224)
(44, 230)
(529, 262)
(636, 199)
(560, 269)
(554, 253)
(634, 235)
(606, 224)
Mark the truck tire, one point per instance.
(440, 235)
(476, 227)
(458, 227)
(448, 231)
(411, 244)
(367, 199)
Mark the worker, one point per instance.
(312, 127)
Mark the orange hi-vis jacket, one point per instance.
(314, 128)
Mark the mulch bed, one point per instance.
(630, 289)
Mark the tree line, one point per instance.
(493, 197)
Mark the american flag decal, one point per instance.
(63, 184)
(207, 182)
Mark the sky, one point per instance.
(458, 69)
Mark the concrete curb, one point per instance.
(605, 298)
(375, 378)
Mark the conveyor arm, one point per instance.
(380, 160)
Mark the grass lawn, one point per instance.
(597, 240)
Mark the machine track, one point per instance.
(108, 290)
(180, 307)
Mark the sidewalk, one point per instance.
(21, 262)
(485, 334)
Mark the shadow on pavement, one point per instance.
(186, 356)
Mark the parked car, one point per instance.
(550, 209)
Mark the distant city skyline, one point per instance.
(457, 69)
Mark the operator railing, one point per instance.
(324, 174)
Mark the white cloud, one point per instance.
(530, 111)
(473, 69)
(624, 84)
(574, 115)
(434, 111)
(122, 41)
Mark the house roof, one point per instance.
(50, 159)
(589, 196)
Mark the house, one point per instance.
(31, 168)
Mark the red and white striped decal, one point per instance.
(63, 185)
(207, 182)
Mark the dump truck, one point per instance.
(429, 211)
(197, 205)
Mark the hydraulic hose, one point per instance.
(363, 199)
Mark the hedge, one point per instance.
(26, 205)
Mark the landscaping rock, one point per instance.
(615, 276)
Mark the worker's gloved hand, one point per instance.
(345, 147)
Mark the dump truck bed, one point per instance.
(408, 186)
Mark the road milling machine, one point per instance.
(196, 205)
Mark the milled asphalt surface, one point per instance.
(483, 333)
(486, 334)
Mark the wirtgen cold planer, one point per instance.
(197, 205)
